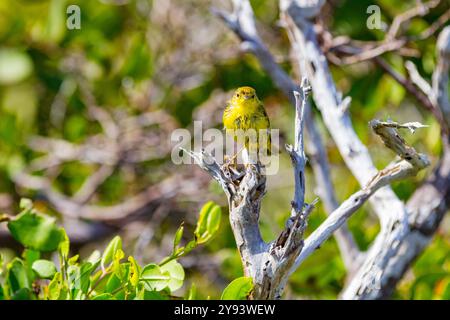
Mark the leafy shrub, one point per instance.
(102, 276)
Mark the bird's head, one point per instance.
(245, 96)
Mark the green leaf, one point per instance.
(15, 66)
(154, 278)
(117, 268)
(104, 296)
(208, 222)
(22, 294)
(176, 273)
(57, 289)
(178, 236)
(17, 277)
(94, 257)
(110, 251)
(64, 245)
(155, 295)
(112, 284)
(85, 271)
(30, 256)
(35, 231)
(73, 260)
(190, 246)
(135, 271)
(56, 21)
(238, 289)
(45, 269)
(192, 295)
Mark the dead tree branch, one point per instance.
(242, 22)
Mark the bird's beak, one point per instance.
(247, 97)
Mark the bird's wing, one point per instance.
(262, 110)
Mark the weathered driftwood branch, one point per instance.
(267, 264)
(329, 102)
(440, 75)
(393, 215)
(426, 208)
(270, 265)
(242, 22)
(389, 209)
(411, 163)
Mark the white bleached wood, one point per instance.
(411, 163)
(242, 22)
(426, 209)
(440, 75)
(267, 264)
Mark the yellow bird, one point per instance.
(245, 111)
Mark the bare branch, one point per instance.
(392, 253)
(425, 100)
(297, 152)
(420, 10)
(440, 75)
(90, 186)
(417, 79)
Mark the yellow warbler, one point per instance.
(245, 111)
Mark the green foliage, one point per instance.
(107, 276)
(208, 222)
(44, 269)
(34, 230)
(238, 289)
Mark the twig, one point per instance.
(420, 10)
(91, 184)
(417, 79)
(420, 96)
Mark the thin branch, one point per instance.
(424, 100)
(417, 79)
(92, 183)
(420, 10)
(434, 27)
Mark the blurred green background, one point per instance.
(133, 57)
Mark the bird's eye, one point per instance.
(237, 95)
(253, 96)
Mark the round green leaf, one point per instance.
(238, 289)
(45, 269)
(154, 278)
(176, 273)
